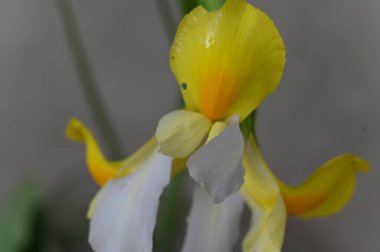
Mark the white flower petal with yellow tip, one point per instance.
(180, 132)
(213, 227)
(227, 61)
(217, 165)
(263, 196)
(124, 214)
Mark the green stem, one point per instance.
(167, 228)
(87, 80)
(211, 5)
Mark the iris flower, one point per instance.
(226, 62)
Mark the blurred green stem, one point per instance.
(166, 232)
(211, 5)
(87, 80)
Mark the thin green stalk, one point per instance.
(211, 5)
(87, 80)
(167, 229)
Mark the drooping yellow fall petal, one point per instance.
(327, 190)
(180, 132)
(100, 168)
(263, 196)
(227, 61)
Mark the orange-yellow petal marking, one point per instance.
(227, 61)
(218, 90)
(327, 190)
(100, 168)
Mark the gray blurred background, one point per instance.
(328, 103)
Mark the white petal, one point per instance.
(213, 227)
(124, 217)
(180, 132)
(217, 165)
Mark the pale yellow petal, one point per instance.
(263, 196)
(180, 132)
(327, 190)
(227, 61)
(133, 162)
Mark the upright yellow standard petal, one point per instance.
(263, 196)
(327, 191)
(227, 61)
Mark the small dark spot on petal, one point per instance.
(172, 57)
(184, 86)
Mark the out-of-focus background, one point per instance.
(327, 104)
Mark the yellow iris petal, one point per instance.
(327, 191)
(263, 196)
(227, 61)
(100, 168)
